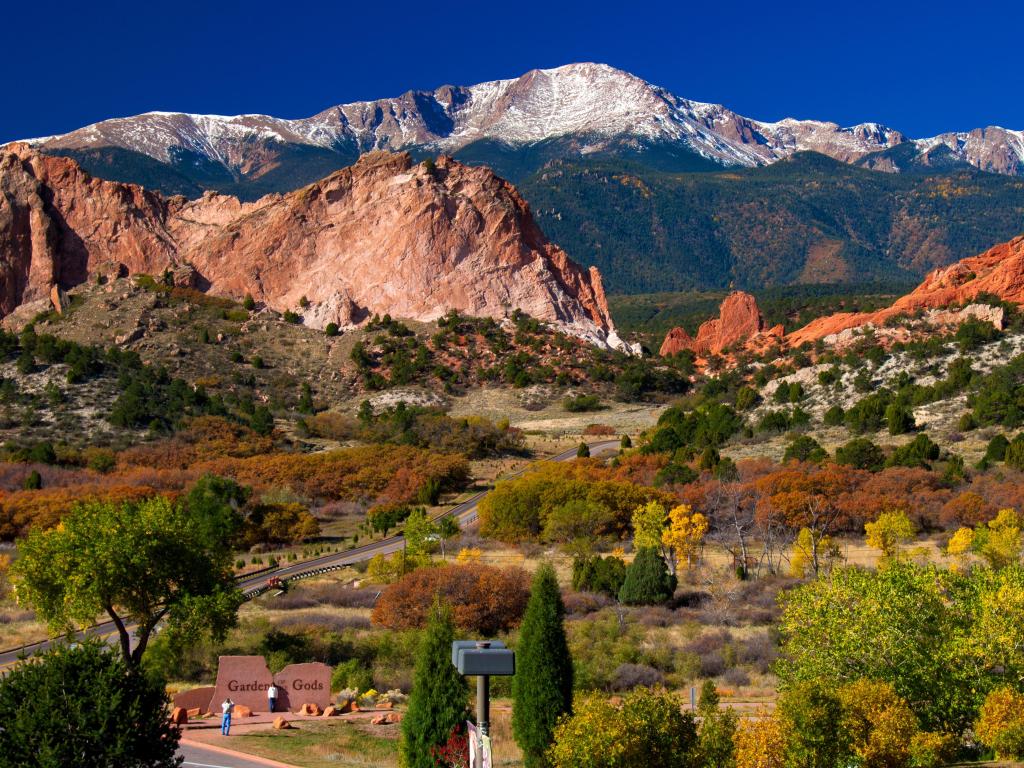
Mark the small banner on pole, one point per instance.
(474, 745)
(486, 751)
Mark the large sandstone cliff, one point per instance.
(383, 236)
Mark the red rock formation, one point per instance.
(998, 271)
(739, 322)
(676, 341)
(384, 235)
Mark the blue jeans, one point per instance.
(225, 724)
(273, 704)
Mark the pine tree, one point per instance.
(439, 697)
(647, 580)
(542, 686)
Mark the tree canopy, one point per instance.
(141, 563)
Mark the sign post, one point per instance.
(483, 658)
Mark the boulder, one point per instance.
(195, 712)
(242, 711)
(280, 724)
(388, 718)
(349, 706)
(310, 709)
(179, 716)
(385, 705)
(331, 711)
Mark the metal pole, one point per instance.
(483, 703)
(483, 708)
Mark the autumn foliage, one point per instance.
(484, 599)
(395, 473)
(44, 508)
(517, 510)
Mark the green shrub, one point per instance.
(899, 419)
(109, 713)
(582, 403)
(861, 453)
(834, 416)
(996, 450)
(598, 574)
(919, 452)
(647, 581)
(331, 330)
(805, 448)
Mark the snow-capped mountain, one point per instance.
(589, 107)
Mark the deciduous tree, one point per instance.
(141, 564)
(889, 532)
(685, 534)
(649, 729)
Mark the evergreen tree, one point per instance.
(647, 579)
(262, 421)
(717, 730)
(306, 399)
(82, 704)
(439, 695)
(542, 686)
(583, 451)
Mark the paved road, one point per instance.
(201, 757)
(465, 513)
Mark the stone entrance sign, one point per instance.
(197, 698)
(300, 684)
(245, 680)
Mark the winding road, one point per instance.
(465, 513)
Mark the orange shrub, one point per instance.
(385, 473)
(44, 508)
(205, 438)
(483, 598)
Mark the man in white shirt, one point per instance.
(227, 707)
(272, 696)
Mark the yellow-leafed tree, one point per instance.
(889, 533)
(761, 742)
(685, 534)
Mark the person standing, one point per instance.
(225, 722)
(272, 696)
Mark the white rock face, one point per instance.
(592, 103)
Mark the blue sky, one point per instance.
(921, 67)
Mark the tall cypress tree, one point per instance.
(542, 686)
(439, 697)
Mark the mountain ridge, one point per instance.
(607, 109)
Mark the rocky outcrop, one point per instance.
(739, 324)
(998, 271)
(943, 300)
(676, 340)
(383, 236)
